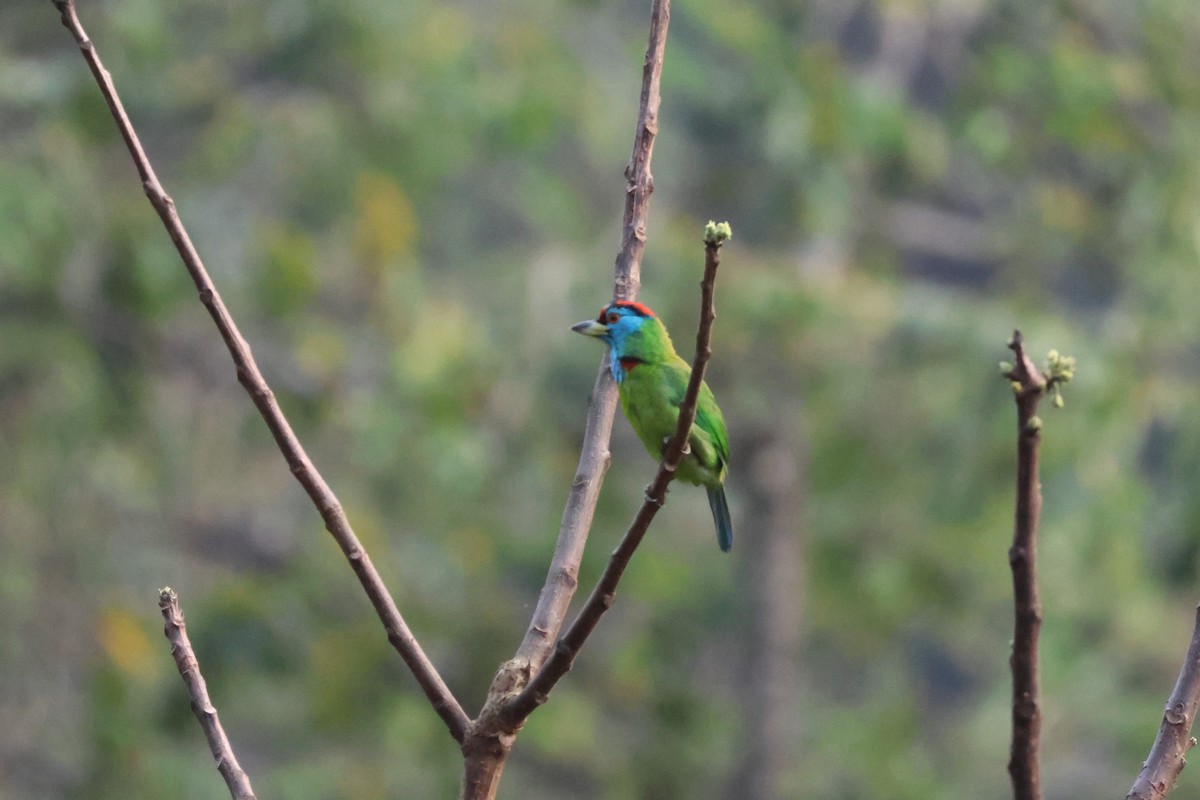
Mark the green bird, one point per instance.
(652, 380)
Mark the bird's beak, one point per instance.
(590, 327)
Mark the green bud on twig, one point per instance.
(1034, 425)
(1006, 369)
(717, 233)
(1059, 368)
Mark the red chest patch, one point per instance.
(628, 364)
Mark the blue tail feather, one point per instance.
(720, 512)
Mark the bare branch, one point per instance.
(202, 707)
(1029, 386)
(490, 736)
(563, 577)
(1166, 760)
(603, 594)
(264, 399)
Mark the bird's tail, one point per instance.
(720, 512)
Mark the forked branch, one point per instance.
(256, 386)
(202, 707)
(562, 579)
(490, 736)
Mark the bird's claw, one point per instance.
(687, 447)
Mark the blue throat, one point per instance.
(618, 333)
(614, 365)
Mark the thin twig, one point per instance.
(202, 707)
(1166, 760)
(602, 596)
(264, 399)
(1029, 386)
(563, 577)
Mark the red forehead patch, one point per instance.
(637, 308)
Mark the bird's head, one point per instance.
(616, 323)
(633, 335)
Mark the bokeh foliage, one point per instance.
(407, 204)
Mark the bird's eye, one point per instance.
(613, 317)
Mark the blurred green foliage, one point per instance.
(406, 205)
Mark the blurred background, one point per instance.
(407, 204)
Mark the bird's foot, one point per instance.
(687, 447)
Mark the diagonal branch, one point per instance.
(563, 577)
(256, 386)
(1029, 386)
(202, 707)
(1166, 760)
(602, 596)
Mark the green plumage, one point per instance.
(650, 397)
(652, 381)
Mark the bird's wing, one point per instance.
(710, 420)
(709, 437)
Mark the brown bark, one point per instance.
(1029, 386)
(206, 713)
(484, 757)
(1166, 760)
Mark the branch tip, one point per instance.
(206, 714)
